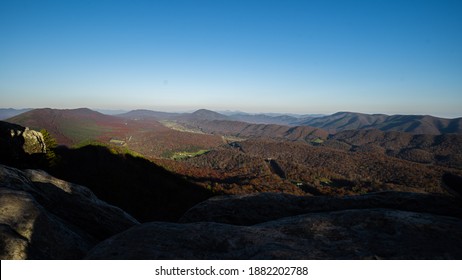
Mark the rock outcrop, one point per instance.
(16, 136)
(42, 217)
(33, 141)
(388, 225)
(346, 234)
(259, 208)
(18, 143)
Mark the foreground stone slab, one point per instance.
(347, 234)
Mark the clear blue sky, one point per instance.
(258, 56)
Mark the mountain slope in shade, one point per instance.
(421, 124)
(415, 124)
(345, 121)
(145, 190)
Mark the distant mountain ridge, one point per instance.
(341, 121)
(205, 114)
(147, 114)
(264, 119)
(416, 124)
(10, 112)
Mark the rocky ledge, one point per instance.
(385, 225)
(259, 208)
(42, 217)
(346, 234)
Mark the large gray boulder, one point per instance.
(346, 234)
(33, 141)
(42, 217)
(28, 231)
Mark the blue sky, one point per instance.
(256, 56)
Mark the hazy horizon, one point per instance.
(299, 57)
(111, 111)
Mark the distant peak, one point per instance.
(347, 113)
(87, 110)
(208, 115)
(201, 111)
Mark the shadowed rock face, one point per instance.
(259, 208)
(348, 234)
(388, 225)
(42, 217)
(453, 184)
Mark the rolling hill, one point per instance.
(210, 122)
(259, 165)
(204, 114)
(247, 130)
(70, 127)
(444, 149)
